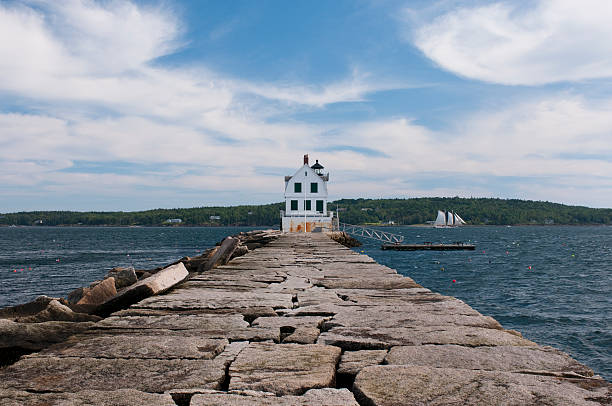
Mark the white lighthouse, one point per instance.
(306, 200)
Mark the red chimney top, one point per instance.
(306, 159)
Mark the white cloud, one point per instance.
(522, 43)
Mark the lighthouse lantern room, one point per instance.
(306, 200)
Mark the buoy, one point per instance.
(454, 280)
(57, 260)
(14, 270)
(529, 267)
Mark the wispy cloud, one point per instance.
(520, 43)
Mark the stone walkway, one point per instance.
(301, 321)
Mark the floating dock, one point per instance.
(429, 247)
(300, 321)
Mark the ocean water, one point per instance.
(53, 261)
(553, 284)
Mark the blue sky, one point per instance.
(116, 105)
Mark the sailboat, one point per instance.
(447, 219)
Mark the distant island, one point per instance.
(476, 211)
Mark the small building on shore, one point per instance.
(306, 200)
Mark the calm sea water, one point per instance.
(553, 284)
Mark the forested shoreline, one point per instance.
(475, 211)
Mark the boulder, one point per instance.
(284, 369)
(123, 277)
(153, 285)
(55, 311)
(76, 295)
(27, 309)
(100, 293)
(17, 339)
(240, 251)
(221, 255)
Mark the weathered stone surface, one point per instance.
(99, 294)
(138, 346)
(203, 322)
(354, 361)
(367, 282)
(123, 277)
(73, 374)
(55, 311)
(27, 309)
(121, 397)
(76, 295)
(222, 255)
(303, 335)
(502, 358)
(218, 299)
(367, 338)
(240, 251)
(313, 397)
(153, 285)
(36, 336)
(278, 322)
(394, 385)
(404, 316)
(284, 369)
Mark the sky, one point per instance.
(119, 105)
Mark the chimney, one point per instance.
(306, 159)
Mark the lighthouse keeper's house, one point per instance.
(306, 200)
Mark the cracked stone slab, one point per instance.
(206, 322)
(317, 295)
(501, 358)
(404, 316)
(354, 361)
(383, 338)
(278, 322)
(121, 397)
(217, 299)
(43, 374)
(313, 397)
(284, 369)
(371, 282)
(303, 335)
(401, 384)
(138, 346)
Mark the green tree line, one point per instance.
(475, 211)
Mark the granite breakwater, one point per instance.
(297, 320)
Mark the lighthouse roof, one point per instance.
(317, 165)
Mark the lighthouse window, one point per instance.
(297, 187)
(308, 205)
(314, 187)
(294, 205)
(320, 205)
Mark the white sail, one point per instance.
(458, 220)
(448, 219)
(441, 219)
